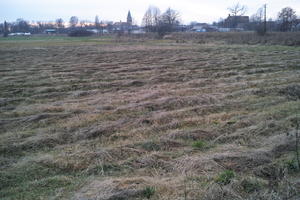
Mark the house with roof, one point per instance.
(50, 31)
(124, 27)
(233, 21)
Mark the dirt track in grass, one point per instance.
(108, 121)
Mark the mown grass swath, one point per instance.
(133, 118)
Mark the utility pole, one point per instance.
(265, 19)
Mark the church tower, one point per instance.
(129, 18)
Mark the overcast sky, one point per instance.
(116, 10)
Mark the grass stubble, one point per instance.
(100, 119)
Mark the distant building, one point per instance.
(121, 27)
(236, 21)
(138, 31)
(203, 27)
(224, 29)
(124, 27)
(129, 18)
(230, 29)
(50, 31)
(20, 34)
(94, 30)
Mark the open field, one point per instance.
(90, 118)
(271, 38)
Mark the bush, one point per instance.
(225, 177)
(148, 192)
(80, 33)
(251, 185)
(292, 165)
(200, 144)
(260, 30)
(150, 146)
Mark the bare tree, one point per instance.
(156, 16)
(97, 22)
(170, 17)
(148, 20)
(258, 16)
(83, 23)
(151, 18)
(168, 21)
(288, 18)
(259, 20)
(237, 10)
(5, 31)
(59, 23)
(22, 25)
(73, 21)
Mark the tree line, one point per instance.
(161, 22)
(155, 21)
(21, 25)
(286, 20)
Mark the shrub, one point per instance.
(225, 177)
(200, 144)
(150, 146)
(251, 185)
(80, 33)
(292, 165)
(260, 30)
(148, 192)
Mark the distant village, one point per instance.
(234, 22)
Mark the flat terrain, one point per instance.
(111, 119)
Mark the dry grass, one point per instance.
(249, 38)
(105, 119)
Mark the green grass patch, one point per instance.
(36, 41)
(251, 185)
(225, 177)
(150, 146)
(148, 192)
(34, 181)
(292, 165)
(200, 144)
